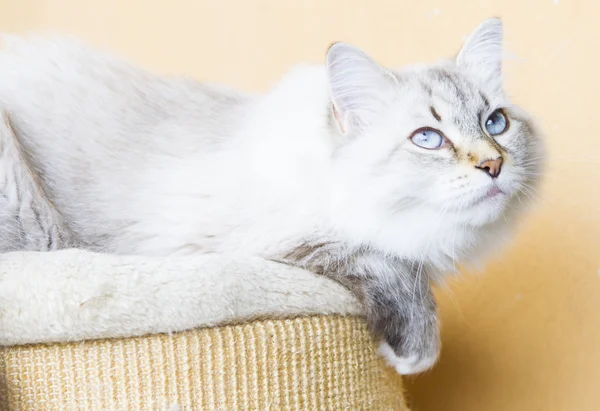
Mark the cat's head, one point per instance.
(441, 140)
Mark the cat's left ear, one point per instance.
(481, 54)
(359, 86)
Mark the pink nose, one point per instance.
(491, 167)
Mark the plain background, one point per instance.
(525, 333)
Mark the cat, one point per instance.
(380, 179)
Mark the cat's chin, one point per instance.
(485, 212)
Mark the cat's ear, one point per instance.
(359, 86)
(481, 54)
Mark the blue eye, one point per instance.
(497, 123)
(427, 138)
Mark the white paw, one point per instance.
(411, 364)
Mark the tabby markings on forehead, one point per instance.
(427, 88)
(452, 80)
(485, 99)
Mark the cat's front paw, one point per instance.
(410, 363)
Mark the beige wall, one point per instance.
(525, 335)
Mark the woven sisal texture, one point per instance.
(306, 363)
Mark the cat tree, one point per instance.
(86, 331)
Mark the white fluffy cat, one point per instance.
(379, 179)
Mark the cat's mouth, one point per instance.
(492, 193)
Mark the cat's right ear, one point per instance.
(358, 86)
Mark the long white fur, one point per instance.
(142, 164)
(251, 176)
